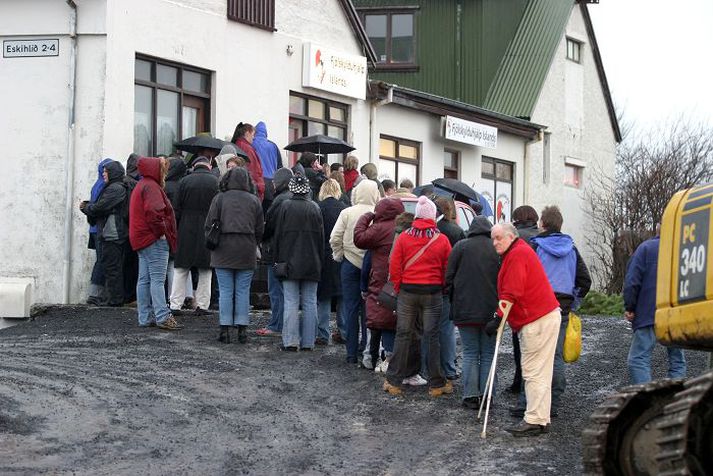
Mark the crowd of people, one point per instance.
(176, 233)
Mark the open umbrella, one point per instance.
(198, 143)
(319, 144)
(457, 187)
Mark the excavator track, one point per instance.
(686, 441)
(621, 437)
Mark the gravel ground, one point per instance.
(85, 391)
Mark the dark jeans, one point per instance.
(131, 272)
(517, 379)
(98, 270)
(417, 311)
(379, 337)
(113, 263)
(352, 306)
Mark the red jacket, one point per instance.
(430, 267)
(350, 177)
(150, 212)
(523, 282)
(254, 166)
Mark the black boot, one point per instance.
(224, 336)
(242, 334)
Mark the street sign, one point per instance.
(30, 48)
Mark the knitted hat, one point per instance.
(425, 208)
(299, 185)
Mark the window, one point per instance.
(574, 48)
(496, 185)
(311, 115)
(392, 36)
(451, 164)
(171, 102)
(258, 13)
(573, 175)
(398, 159)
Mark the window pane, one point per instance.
(195, 81)
(166, 75)
(387, 169)
(488, 168)
(462, 220)
(408, 152)
(503, 171)
(449, 160)
(387, 148)
(166, 121)
(338, 132)
(297, 105)
(143, 113)
(189, 128)
(402, 38)
(315, 128)
(407, 171)
(142, 70)
(572, 175)
(336, 114)
(376, 31)
(316, 109)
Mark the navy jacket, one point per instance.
(640, 283)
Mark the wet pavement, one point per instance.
(86, 391)
(9, 322)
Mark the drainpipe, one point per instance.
(69, 160)
(526, 165)
(372, 118)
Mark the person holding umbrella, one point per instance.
(243, 138)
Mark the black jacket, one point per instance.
(527, 230)
(176, 171)
(299, 239)
(453, 232)
(280, 182)
(472, 276)
(195, 194)
(330, 284)
(110, 212)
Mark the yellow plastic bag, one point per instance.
(572, 339)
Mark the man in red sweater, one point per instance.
(535, 315)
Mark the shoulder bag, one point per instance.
(212, 236)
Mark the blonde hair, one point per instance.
(330, 188)
(339, 177)
(351, 163)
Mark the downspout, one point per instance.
(526, 165)
(372, 118)
(69, 160)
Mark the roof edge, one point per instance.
(358, 29)
(600, 70)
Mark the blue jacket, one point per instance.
(97, 188)
(267, 151)
(640, 283)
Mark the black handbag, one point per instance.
(280, 270)
(212, 236)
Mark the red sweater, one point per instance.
(430, 267)
(254, 166)
(150, 212)
(523, 282)
(350, 177)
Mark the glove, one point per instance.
(491, 328)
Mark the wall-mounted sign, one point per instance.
(335, 72)
(25, 48)
(471, 133)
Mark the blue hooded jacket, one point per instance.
(98, 187)
(557, 255)
(267, 151)
(640, 283)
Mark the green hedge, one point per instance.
(597, 303)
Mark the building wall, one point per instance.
(573, 106)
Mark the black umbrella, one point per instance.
(319, 144)
(457, 187)
(197, 144)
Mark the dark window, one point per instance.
(574, 49)
(259, 13)
(171, 102)
(311, 115)
(393, 37)
(451, 164)
(398, 159)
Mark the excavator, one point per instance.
(665, 427)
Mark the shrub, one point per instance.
(599, 303)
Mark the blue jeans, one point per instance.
(352, 305)
(296, 333)
(277, 301)
(150, 292)
(234, 297)
(478, 352)
(324, 311)
(642, 345)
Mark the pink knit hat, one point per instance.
(425, 208)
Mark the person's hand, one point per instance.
(491, 328)
(83, 204)
(629, 316)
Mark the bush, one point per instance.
(599, 303)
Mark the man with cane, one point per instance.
(534, 314)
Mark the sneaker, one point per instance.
(527, 429)
(170, 324)
(266, 332)
(392, 389)
(382, 367)
(366, 363)
(472, 403)
(438, 391)
(415, 381)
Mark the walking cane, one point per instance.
(505, 307)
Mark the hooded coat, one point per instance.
(97, 188)
(110, 210)
(254, 166)
(267, 151)
(150, 211)
(132, 171)
(375, 232)
(195, 195)
(364, 196)
(299, 239)
(241, 223)
(331, 283)
(472, 276)
(176, 171)
(281, 182)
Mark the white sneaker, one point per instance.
(382, 367)
(366, 362)
(415, 381)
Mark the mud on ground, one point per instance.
(86, 391)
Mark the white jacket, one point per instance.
(364, 196)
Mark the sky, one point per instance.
(657, 58)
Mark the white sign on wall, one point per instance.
(471, 133)
(25, 48)
(335, 72)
